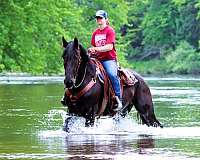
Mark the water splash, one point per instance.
(53, 119)
(113, 139)
(109, 126)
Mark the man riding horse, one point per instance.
(87, 92)
(103, 42)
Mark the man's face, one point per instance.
(100, 20)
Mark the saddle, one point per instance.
(126, 79)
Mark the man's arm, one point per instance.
(105, 48)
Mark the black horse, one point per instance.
(84, 92)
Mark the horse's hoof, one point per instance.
(157, 124)
(66, 129)
(117, 117)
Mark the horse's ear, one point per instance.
(65, 43)
(75, 43)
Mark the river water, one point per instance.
(31, 120)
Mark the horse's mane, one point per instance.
(84, 53)
(86, 58)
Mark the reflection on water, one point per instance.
(121, 139)
(32, 118)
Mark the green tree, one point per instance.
(133, 39)
(31, 32)
(184, 59)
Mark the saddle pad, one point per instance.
(127, 77)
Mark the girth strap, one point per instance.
(82, 92)
(101, 70)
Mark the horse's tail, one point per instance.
(143, 103)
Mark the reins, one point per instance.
(77, 69)
(76, 97)
(68, 91)
(74, 85)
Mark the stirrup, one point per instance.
(119, 106)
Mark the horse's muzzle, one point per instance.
(68, 84)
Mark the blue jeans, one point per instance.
(111, 68)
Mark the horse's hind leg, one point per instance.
(144, 105)
(124, 112)
(148, 117)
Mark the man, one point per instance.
(103, 42)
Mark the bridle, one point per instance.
(74, 96)
(76, 72)
(86, 88)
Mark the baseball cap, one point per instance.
(101, 13)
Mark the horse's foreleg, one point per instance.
(89, 122)
(67, 123)
(90, 117)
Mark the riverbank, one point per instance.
(162, 68)
(26, 78)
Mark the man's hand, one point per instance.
(92, 50)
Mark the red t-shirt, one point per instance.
(102, 37)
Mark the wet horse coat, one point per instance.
(80, 72)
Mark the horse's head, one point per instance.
(73, 55)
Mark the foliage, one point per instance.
(134, 37)
(157, 32)
(184, 59)
(31, 31)
(151, 66)
(157, 27)
(162, 24)
(198, 7)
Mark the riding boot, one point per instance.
(119, 104)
